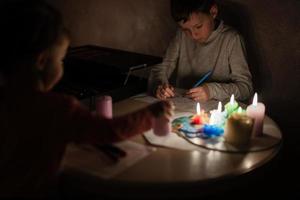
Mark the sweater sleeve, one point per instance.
(161, 73)
(81, 126)
(240, 77)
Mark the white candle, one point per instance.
(257, 112)
(217, 117)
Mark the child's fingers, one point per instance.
(163, 92)
(159, 93)
(194, 90)
(168, 90)
(172, 88)
(193, 95)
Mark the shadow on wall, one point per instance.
(238, 16)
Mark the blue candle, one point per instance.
(212, 130)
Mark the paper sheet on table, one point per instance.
(88, 159)
(181, 103)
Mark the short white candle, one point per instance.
(256, 111)
(217, 117)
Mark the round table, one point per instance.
(166, 170)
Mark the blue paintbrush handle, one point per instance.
(202, 79)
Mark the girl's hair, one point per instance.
(181, 10)
(28, 27)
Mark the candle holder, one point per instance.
(238, 129)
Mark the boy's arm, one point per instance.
(161, 73)
(241, 79)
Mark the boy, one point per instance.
(202, 44)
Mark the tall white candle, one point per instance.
(256, 111)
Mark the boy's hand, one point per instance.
(163, 109)
(164, 91)
(199, 93)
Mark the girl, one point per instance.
(36, 124)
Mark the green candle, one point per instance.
(231, 106)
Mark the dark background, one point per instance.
(271, 30)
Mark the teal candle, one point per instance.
(231, 106)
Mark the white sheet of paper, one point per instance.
(92, 161)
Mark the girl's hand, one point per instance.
(199, 93)
(164, 91)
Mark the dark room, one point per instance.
(139, 99)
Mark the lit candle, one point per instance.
(257, 112)
(238, 129)
(197, 119)
(217, 117)
(231, 106)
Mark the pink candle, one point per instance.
(161, 126)
(104, 107)
(257, 112)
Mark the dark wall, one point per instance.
(270, 27)
(135, 25)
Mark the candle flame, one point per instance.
(198, 109)
(232, 99)
(239, 110)
(220, 107)
(254, 103)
